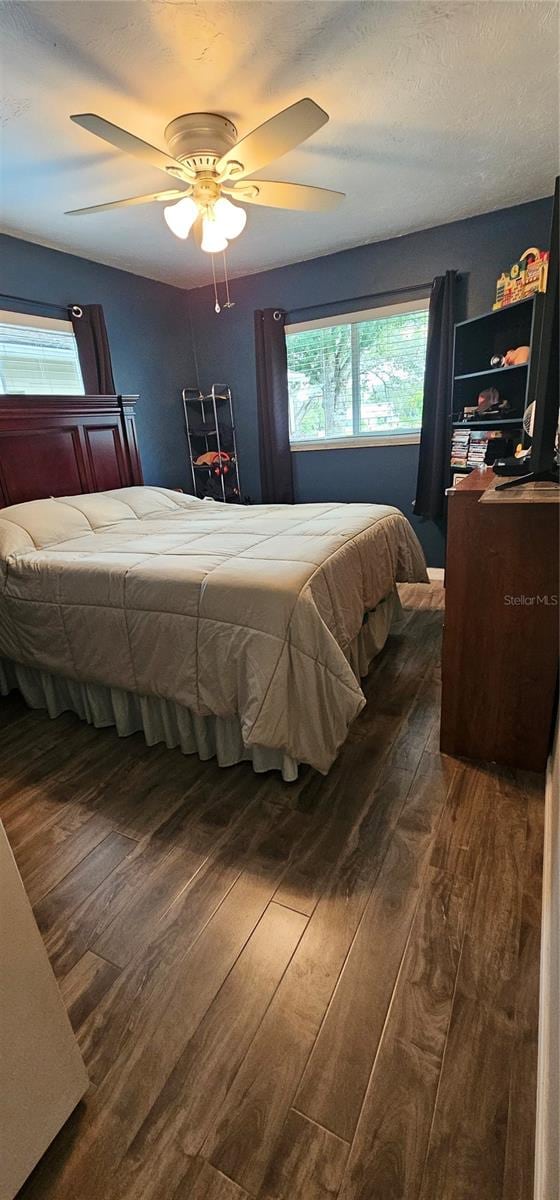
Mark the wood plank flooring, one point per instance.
(288, 992)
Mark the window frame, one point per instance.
(358, 440)
(48, 324)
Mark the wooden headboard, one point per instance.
(64, 445)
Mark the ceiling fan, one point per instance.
(208, 162)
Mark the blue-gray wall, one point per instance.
(151, 345)
(149, 335)
(479, 248)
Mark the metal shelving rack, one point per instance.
(210, 428)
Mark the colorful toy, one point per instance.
(217, 460)
(527, 276)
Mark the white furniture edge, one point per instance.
(547, 1141)
(42, 1074)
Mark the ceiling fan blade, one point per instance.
(274, 138)
(173, 195)
(286, 195)
(130, 144)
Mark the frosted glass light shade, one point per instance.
(230, 219)
(213, 239)
(181, 216)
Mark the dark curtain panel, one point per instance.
(273, 414)
(93, 349)
(433, 464)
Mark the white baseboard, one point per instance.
(436, 574)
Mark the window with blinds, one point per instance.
(38, 355)
(358, 378)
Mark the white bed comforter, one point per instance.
(243, 611)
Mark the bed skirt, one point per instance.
(162, 720)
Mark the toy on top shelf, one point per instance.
(525, 277)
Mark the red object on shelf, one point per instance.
(218, 459)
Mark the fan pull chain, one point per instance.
(229, 303)
(217, 308)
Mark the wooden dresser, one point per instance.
(500, 644)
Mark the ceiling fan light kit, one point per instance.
(181, 217)
(213, 239)
(231, 218)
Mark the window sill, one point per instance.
(356, 443)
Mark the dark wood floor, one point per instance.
(291, 992)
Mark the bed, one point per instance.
(234, 631)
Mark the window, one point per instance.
(358, 379)
(38, 355)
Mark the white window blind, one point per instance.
(358, 377)
(38, 355)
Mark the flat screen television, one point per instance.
(544, 466)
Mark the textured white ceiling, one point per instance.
(438, 111)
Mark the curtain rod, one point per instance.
(39, 303)
(412, 287)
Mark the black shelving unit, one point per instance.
(476, 342)
(210, 429)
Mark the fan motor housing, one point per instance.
(200, 139)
